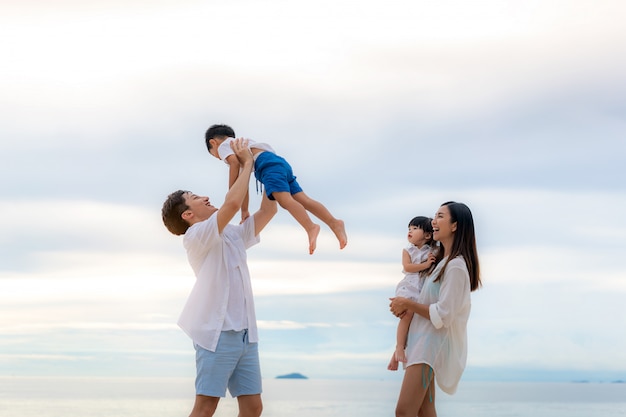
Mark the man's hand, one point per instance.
(241, 149)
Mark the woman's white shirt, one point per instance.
(441, 342)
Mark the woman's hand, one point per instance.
(398, 306)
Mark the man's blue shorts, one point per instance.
(233, 365)
(275, 173)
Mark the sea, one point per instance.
(173, 397)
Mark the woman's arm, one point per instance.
(454, 294)
(400, 305)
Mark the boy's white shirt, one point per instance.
(224, 150)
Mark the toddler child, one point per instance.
(417, 259)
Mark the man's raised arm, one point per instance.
(265, 213)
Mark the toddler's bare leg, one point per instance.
(321, 212)
(299, 213)
(401, 334)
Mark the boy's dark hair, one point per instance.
(424, 223)
(172, 212)
(218, 131)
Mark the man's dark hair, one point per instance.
(172, 212)
(218, 131)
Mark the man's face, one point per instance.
(200, 208)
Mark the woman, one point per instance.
(437, 341)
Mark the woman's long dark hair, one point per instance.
(464, 243)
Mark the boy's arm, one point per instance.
(265, 213)
(233, 173)
(233, 169)
(245, 211)
(239, 188)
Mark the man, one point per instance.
(219, 315)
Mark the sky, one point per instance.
(384, 109)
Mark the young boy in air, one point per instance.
(276, 175)
(417, 259)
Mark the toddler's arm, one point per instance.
(413, 268)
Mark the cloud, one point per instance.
(390, 110)
(549, 265)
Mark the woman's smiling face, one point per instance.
(443, 226)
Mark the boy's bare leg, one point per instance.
(321, 212)
(204, 406)
(299, 213)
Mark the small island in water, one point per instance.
(294, 375)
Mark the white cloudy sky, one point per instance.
(385, 109)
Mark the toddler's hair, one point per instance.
(218, 131)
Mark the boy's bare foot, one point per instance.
(339, 229)
(313, 232)
(393, 363)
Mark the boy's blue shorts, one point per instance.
(275, 173)
(233, 365)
